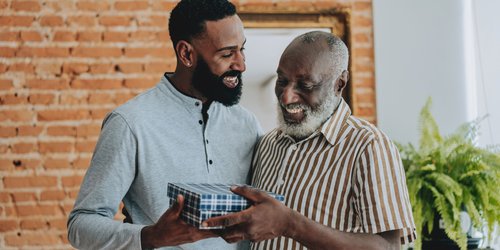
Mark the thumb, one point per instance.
(176, 209)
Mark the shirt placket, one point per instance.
(288, 161)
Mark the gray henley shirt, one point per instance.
(156, 138)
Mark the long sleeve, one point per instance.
(112, 170)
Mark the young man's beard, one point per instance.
(314, 117)
(212, 87)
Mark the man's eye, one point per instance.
(281, 82)
(307, 86)
(227, 55)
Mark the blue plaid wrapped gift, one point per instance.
(203, 201)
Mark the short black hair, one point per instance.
(187, 19)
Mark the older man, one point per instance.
(188, 128)
(343, 180)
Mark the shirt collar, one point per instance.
(169, 87)
(331, 128)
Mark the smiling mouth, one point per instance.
(294, 110)
(230, 81)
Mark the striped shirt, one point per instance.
(347, 175)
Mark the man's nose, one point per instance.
(239, 62)
(289, 96)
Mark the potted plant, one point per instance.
(449, 175)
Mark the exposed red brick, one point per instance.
(32, 6)
(102, 68)
(7, 51)
(115, 20)
(34, 224)
(7, 225)
(55, 147)
(29, 130)
(42, 52)
(55, 164)
(7, 131)
(81, 21)
(52, 195)
(6, 84)
(23, 196)
(75, 68)
(42, 99)
(112, 36)
(24, 147)
(152, 52)
(89, 36)
(96, 83)
(63, 115)
(51, 21)
(25, 21)
(22, 67)
(97, 52)
(57, 84)
(17, 115)
(92, 5)
(31, 36)
(64, 36)
(13, 99)
(141, 83)
(29, 181)
(131, 5)
(61, 130)
(9, 36)
(130, 67)
(71, 181)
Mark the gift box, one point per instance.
(203, 201)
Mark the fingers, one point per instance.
(227, 220)
(234, 234)
(252, 194)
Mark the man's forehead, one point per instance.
(224, 32)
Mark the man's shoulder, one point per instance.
(367, 128)
(141, 103)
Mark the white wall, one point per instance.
(419, 52)
(429, 48)
(446, 49)
(488, 68)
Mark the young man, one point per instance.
(342, 178)
(188, 128)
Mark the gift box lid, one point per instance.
(215, 197)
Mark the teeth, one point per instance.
(231, 81)
(294, 111)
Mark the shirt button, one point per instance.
(200, 122)
(210, 162)
(281, 182)
(197, 104)
(293, 147)
(206, 141)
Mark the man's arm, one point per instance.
(268, 218)
(112, 171)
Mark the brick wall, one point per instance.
(63, 65)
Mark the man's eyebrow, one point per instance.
(232, 47)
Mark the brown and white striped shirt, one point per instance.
(347, 175)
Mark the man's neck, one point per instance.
(183, 83)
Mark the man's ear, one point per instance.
(342, 81)
(185, 53)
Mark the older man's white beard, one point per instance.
(313, 119)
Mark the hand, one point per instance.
(267, 218)
(171, 230)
